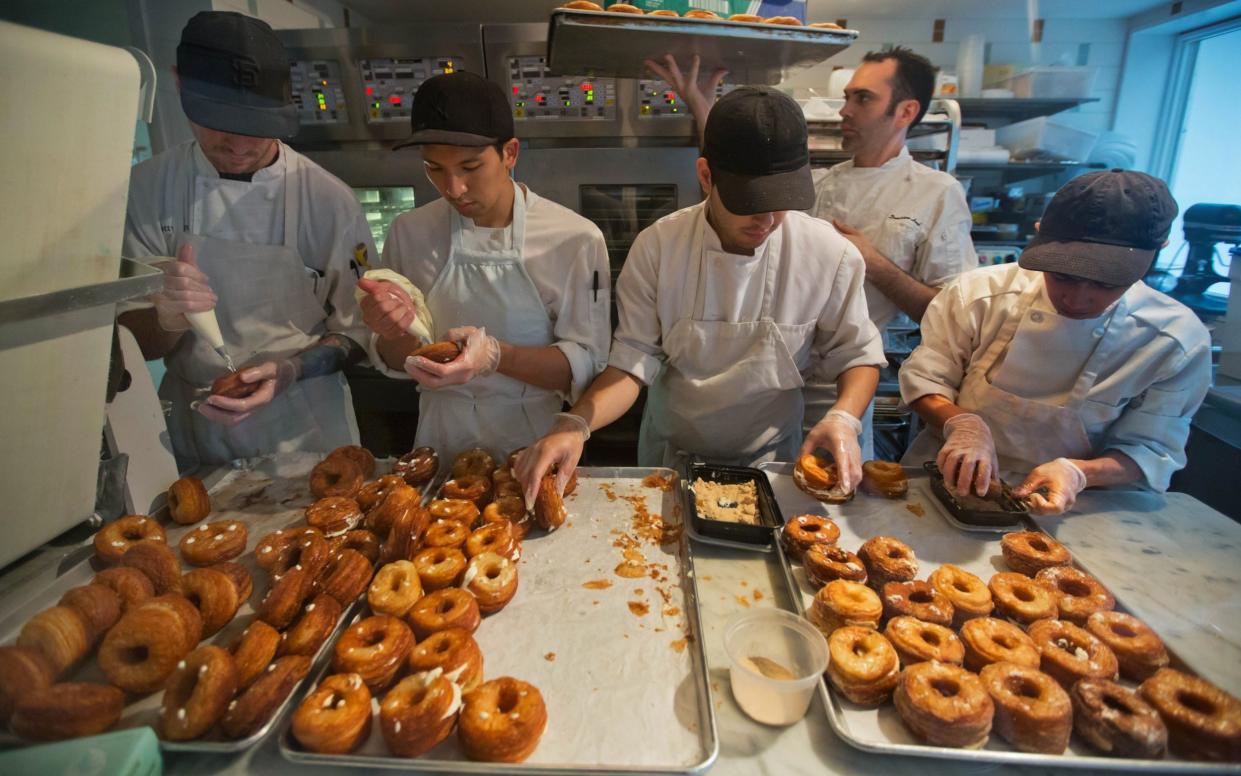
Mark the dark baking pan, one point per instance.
(996, 510)
(768, 511)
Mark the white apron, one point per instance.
(492, 290)
(270, 307)
(729, 393)
(1027, 433)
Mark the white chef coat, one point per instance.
(1155, 373)
(564, 254)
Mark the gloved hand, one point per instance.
(1052, 488)
(560, 447)
(480, 356)
(386, 309)
(967, 458)
(275, 376)
(186, 290)
(837, 433)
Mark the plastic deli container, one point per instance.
(1046, 137)
(1050, 83)
(775, 662)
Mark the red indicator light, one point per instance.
(514, 90)
(395, 99)
(370, 90)
(670, 95)
(539, 98)
(587, 87)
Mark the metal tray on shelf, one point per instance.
(619, 660)
(880, 730)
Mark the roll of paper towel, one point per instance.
(970, 55)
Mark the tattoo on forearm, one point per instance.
(331, 353)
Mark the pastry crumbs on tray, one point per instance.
(671, 611)
(640, 608)
(550, 656)
(916, 509)
(758, 595)
(680, 644)
(597, 584)
(656, 481)
(743, 601)
(631, 569)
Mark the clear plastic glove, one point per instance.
(186, 290)
(480, 356)
(967, 459)
(698, 99)
(386, 309)
(561, 447)
(275, 377)
(1052, 488)
(837, 433)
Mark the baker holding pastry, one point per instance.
(519, 282)
(725, 306)
(1063, 369)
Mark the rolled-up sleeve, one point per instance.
(947, 250)
(637, 343)
(937, 366)
(845, 337)
(583, 318)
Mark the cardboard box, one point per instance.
(726, 8)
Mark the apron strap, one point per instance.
(292, 184)
(456, 227)
(1005, 335)
(694, 309)
(1103, 348)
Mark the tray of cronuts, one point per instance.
(945, 643)
(203, 622)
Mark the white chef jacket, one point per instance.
(816, 300)
(564, 254)
(332, 228)
(1146, 392)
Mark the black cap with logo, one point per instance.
(235, 76)
(755, 144)
(1103, 226)
(460, 109)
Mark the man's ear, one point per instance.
(1039, 223)
(176, 78)
(704, 175)
(509, 155)
(907, 111)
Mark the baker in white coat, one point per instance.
(1063, 370)
(725, 306)
(263, 236)
(519, 281)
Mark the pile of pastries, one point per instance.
(816, 476)
(1033, 654)
(697, 13)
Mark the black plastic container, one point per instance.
(1007, 510)
(769, 516)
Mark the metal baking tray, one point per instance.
(1007, 516)
(769, 516)
(881, 730)
(603, 43)
(626, 692)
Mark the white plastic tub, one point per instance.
(1045, 137)
(775, 662)
(1050, 82)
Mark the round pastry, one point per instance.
(312, 628)
(1069, 653)
(507, 488)
(131, 585)
(492, 579)
(143, 648)
(395, 589)
(463, 512)
(359, 456)
(887, 560)
(916, 641)
(817, 477)
(664, 12)
(825, 26)
(451, 607)
(61, 634)
(284, 598)
(399, 501)
(250, 710)
(158, 562)
(418, 713)
(502, 721)
(1029, 552)
(474, 461)
(439, 352)
(373, 492)
(188, 501)
(1032, 712)
(1138, 650)
(232, 386)
(334, 515)
(695, 13)
(624, 8)
(239, 575)
(917, 599)
(116, 537)
(418, 466)
(494, 537)
(214, 594)
(197, 693)
(1203, 721)
(374, 648)
(446, 533)
(513, 510)
(885, 478)
(69, 710)
(827, 562)
(583, 5)
(791, 21)
(862, 665)
(746, 17)
(22, 671)
(1020, 598)
(988, 640)
(191, 630)
(336, 717)
(253, 651)
(549, 509)
(405, 536)
(335, 477)
(214, 543)
(440, 567)
(944, 705)
(99, 606)
(360, 540)
(282, 550)
(841, 603)
(346, 577)
(452, 651)
(1078, 595)
(804, 531)
(1116, 721)
(969, 595)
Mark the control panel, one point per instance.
(389, 84)
(318, 92)
(657, 100)
(535, 93)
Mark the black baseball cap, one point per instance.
(755, 144)
(235, 76)
(460, 109)
(1103, 226)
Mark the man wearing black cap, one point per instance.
(265, 238)
(520, 282)
(1064, 369)
(726, 305)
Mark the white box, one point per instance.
(977, 137)
(1044, 136)
(1051, 83)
